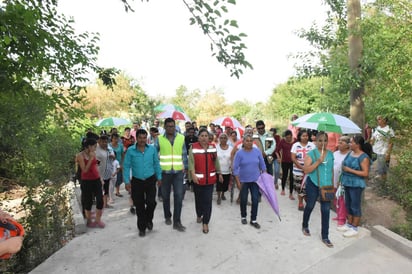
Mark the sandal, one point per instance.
(327, 242)
(306, 231)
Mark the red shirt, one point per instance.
(92, 173)
(283, 148)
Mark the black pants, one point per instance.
(287, 169)
(144, 199)
(203, 201)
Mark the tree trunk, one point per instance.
(357, 106)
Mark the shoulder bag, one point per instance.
(327, 193)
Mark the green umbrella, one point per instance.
(112, 122)
(168, 107)
(328, 122)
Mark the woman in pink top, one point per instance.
(91, 185)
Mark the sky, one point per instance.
(157, 46)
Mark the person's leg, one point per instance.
(111, 189)
(166, 188)
(269, 167)
(178, 190)
(381, 165)
(243, 199)
(150, 192)
(254, 192)
(325, 214)
(97, 190)
(356, 196)
(290, 171)
(119, 181)
(206, 200)
(225, 187)
(105, 192)
(198, 208)
(87, 199)
(285, 169)
(276, 172)
(312, 193)
(138, 197)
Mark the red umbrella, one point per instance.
(227, 122)
(174, 114)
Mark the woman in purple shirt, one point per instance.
(247, 167)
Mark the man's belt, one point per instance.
(148, 179)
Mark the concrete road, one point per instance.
(230, 247)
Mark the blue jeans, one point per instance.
(203, 201)
(312, 194)
(254, 192)
(353, 196)
(276, 170)
(175, 180)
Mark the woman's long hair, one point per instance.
(365, 147)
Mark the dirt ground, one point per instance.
(377, 210)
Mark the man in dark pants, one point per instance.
(173, 161)
(143, 160)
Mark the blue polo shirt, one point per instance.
(143, 164)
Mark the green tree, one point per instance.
(226, 46)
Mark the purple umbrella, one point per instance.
(267, 188)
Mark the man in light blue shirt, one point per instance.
(142, 159)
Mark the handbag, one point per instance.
(327, 193)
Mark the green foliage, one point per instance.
(48, 226)
(302, 96)
(226, 47)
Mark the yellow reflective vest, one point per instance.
(171, 156)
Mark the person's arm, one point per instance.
(364, 172)
(157, 168)
(126, 169)
(85, 167)
(272, 147)
(218, 169)
(184, 157)
(310, 166)
(295, 160)
(191, 167)
(11, 245)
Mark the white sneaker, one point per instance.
(350, 233)
(343, 228)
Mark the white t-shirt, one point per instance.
(300, 152)
(337, 166)
(381, 137)
(223, 156)
(115, 166)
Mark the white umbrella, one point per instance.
(112, 122)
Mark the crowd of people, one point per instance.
(159, 161)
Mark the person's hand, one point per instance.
(91, 154)
(12, 245)
(4, 216)
(323, 155)
(159, 182)
(128, 187)
(387, 157)
(220, 178)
